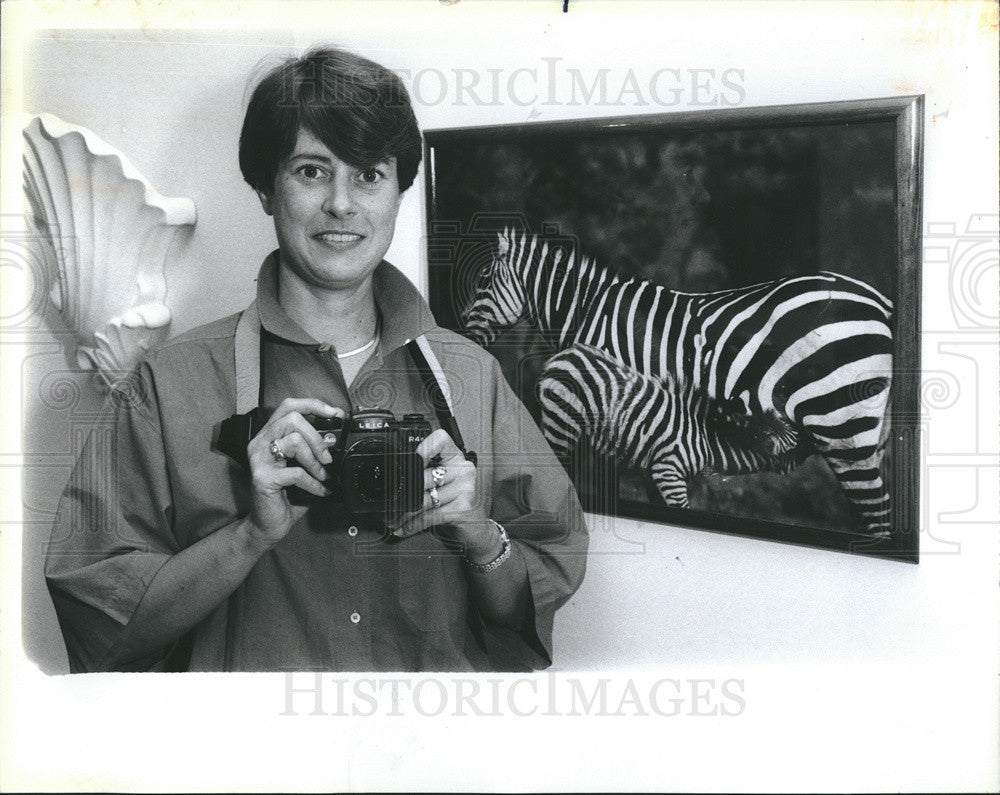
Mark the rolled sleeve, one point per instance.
(535, 501)
(113, 526)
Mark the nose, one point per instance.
(339, 200)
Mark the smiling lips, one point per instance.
(338, 237)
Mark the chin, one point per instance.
(342, 278)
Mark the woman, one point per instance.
(185, 560)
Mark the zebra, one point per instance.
(816, 349)
(658, 425)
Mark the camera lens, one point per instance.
(373, 473)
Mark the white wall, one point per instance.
(871, 674)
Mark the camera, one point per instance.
(375, 462)
(376, 472)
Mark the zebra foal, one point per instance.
(658, 425)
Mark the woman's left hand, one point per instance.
(451, 500)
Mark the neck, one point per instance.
(563, 289)
(344, 318)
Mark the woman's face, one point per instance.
(334, 222)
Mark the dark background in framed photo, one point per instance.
(702, 202)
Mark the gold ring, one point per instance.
(435, 500)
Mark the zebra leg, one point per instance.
(848, 428)
(858, 470)
(671, 480)
(862, 483)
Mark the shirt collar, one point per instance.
(405, 314)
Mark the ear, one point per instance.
(503, 244)
(265, 201)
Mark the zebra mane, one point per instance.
(574, 263)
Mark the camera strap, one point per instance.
(247, 353)
(437, 390)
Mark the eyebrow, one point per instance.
(310, 156)
(307, 155)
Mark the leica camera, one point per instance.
(376, 472)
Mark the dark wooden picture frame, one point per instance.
(701, 202)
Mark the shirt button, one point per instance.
(355, 618)
(352, 531)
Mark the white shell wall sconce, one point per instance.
(103, 233)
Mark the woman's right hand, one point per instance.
(304, 456)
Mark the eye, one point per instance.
(310, 171)
(370, 176)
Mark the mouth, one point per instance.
(338, 238)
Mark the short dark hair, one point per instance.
(359, 109)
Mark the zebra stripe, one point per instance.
(669, 430)
(817, 349)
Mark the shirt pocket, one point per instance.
(433, 592)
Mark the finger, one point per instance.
(264, 463)
(277, 478)
(299, 477)
(419, 522)
(306, 406)
(438, 445)
(444, 494)
(279, 425)
(454, 470)
(430, 514)
(295, 447)
(296, 423)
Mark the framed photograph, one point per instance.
(713, 315)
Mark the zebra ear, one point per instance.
(503, 242)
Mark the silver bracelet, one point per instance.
(498, 561)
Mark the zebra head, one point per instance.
(500, 300)
(766, 433)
